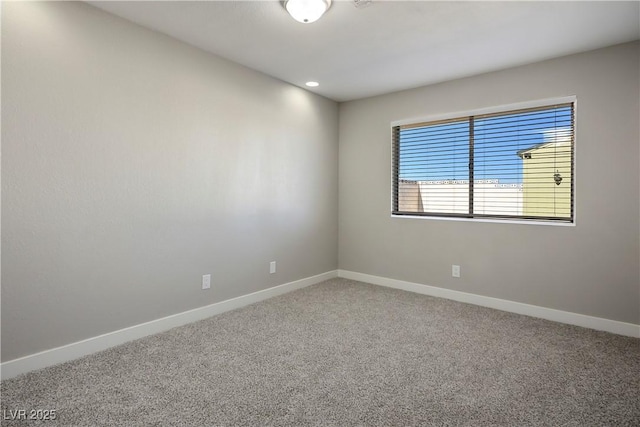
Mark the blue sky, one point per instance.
(441, 151)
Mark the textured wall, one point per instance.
(592, 268)
(133, 164)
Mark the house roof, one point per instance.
(521, 153)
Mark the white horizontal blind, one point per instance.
(514, 164)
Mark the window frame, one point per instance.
(506, 108)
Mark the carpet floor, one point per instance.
(345, 353)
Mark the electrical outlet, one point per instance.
(206, 281)
(272, 267)
(455, 270)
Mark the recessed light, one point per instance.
(312, 84)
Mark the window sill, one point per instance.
(493, 220)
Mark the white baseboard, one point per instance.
(88, 346)
(598, 323)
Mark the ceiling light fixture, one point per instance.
(307, 11)
(312, 84)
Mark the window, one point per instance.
(514, 164)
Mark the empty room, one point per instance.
(316, 212)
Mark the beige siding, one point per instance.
(542, 196)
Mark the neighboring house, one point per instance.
(547, 173)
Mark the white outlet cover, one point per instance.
(206, 281)
(272, 267)
(455, 270)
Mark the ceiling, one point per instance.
(386, 46)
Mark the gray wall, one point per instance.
(133, 164)
(592, 268)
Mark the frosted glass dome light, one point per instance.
(307, 11)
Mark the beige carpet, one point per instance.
(344, 353)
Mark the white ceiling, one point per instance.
(388, 45)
